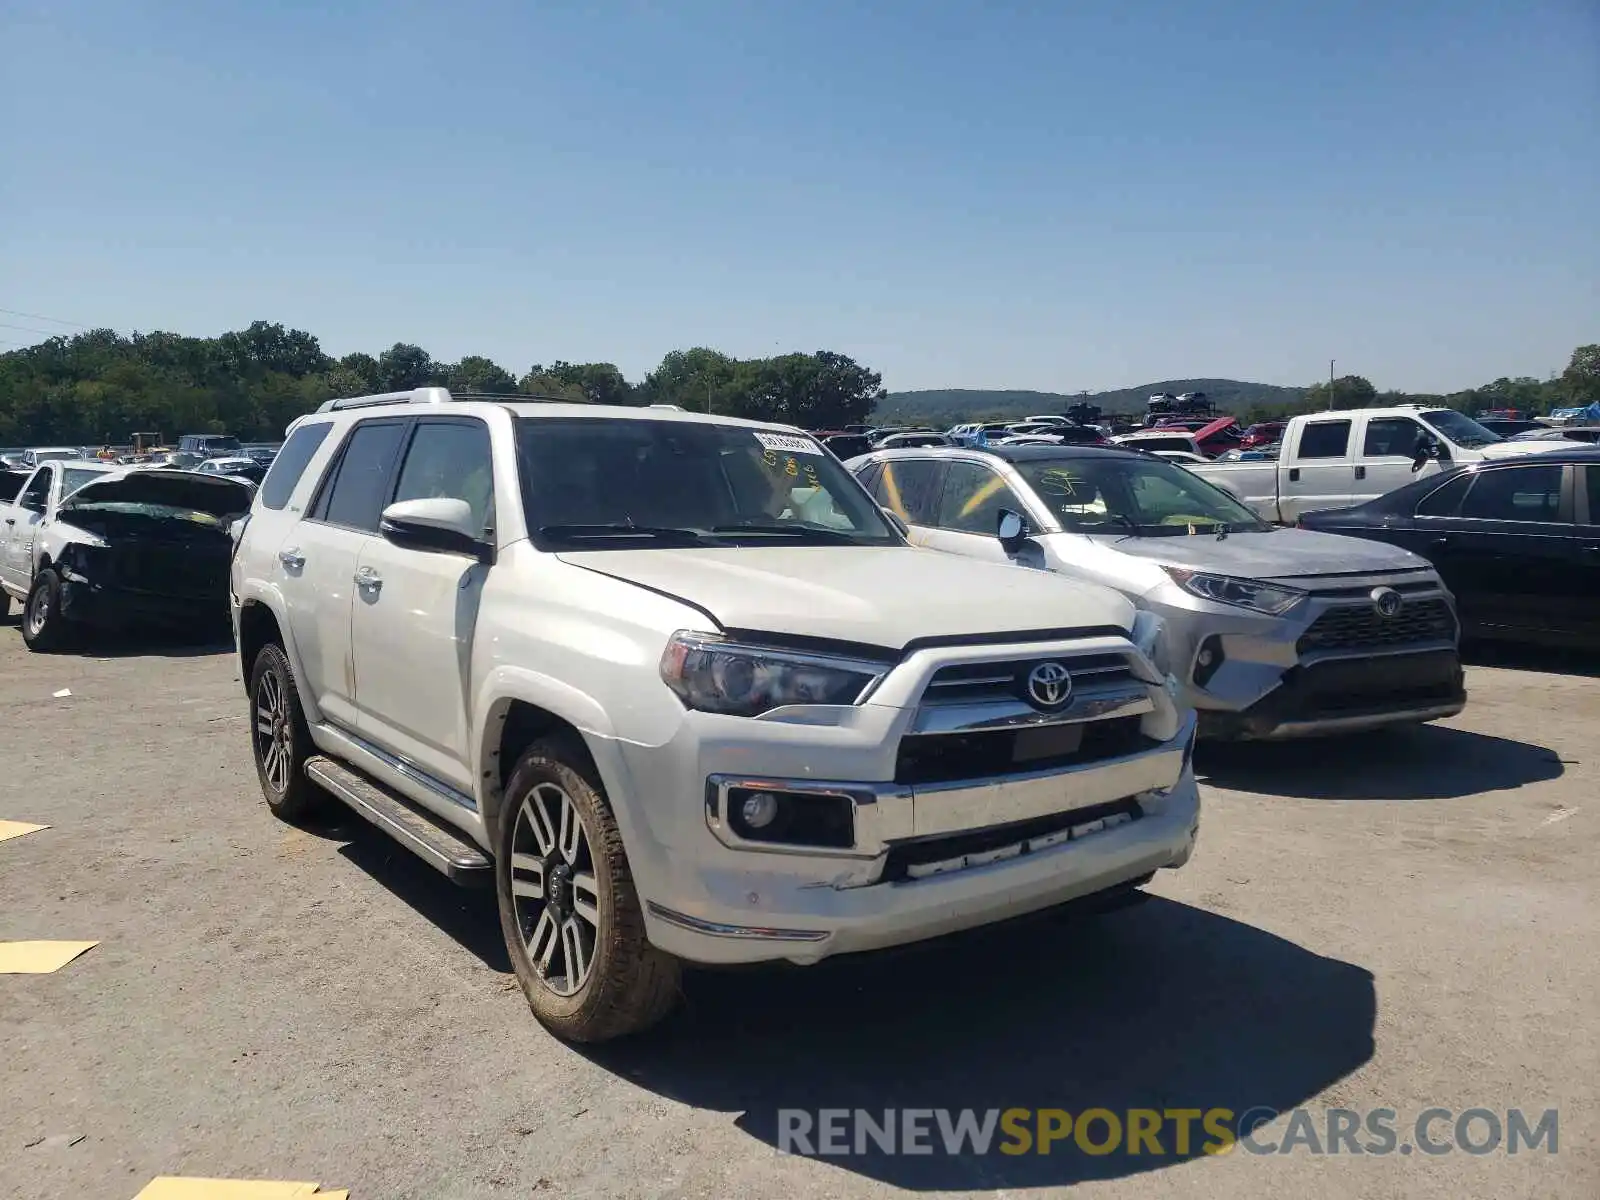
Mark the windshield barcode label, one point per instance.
(788, 443)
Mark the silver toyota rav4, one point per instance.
(1273, 632)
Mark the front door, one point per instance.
(16, 535)
(1388, 455)
(968, 516)
(1317, 472)
(415, 611)
(319, 560)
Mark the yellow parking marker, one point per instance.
(39, 958)
(11, 829)
(174, 1187)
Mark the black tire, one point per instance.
(630, 985)
(5, 607)
(44, 627)
(280, 742)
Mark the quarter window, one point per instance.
(355, 498)
(973, 497)
(291, 463)
(1324, 439)
(450, 460)
(1531, 493)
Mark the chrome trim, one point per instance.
(718, 929)
(1322, 727)
(407, 770)
(880, 812)
(961, 716)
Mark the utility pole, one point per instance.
(1330, 384)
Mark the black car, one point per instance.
(1516, 539)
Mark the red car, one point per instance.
(1263, 434)
(1218, 437)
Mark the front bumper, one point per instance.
(1269, 687)
(85, 602)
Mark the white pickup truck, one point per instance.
(1341, 458)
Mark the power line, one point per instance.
(41, 317)
(30, 329)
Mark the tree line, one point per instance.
(103, 386)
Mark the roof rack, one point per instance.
(429, 395)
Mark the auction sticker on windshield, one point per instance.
(788, 442)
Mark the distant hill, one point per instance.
(942, 408)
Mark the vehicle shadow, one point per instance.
(1425, 762)
(1157, 1006)
(149, 645)
(1517, 656)
(467, 915)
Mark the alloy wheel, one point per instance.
(274, 738)
(553, 888)
(38, 611)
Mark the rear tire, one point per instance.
(280, 741)
(572, 920)
(44, 628)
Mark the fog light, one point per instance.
(1208, 661)
(759, 810)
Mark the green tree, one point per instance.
(1580, 382)
(1349, 391)
(475, 373)
(403, 366)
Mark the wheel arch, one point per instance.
(263, 611)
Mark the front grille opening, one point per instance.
(950, 757)
(1337, 689)
(967, 682)
(1000, 842)
(1359, 627)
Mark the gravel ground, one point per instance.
(1399, 921)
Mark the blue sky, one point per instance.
(1060, 196)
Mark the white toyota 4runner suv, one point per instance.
(680, 689)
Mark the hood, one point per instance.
(213, 494)
(1279, 554)
(875, 596)
(1516, 449)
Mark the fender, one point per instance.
(267, 593)
(506, 684)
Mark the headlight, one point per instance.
(713, 675)
(1243, 593)
(1150, 635)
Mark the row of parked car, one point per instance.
(684, 688)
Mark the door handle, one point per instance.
(1441, 540)
(1361, 472)
(367, 578)
(11, 520)
(292, 559)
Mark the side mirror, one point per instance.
(1012, 531)
(437, 525)
(1424, 450)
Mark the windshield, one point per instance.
(1460, 429)
(1143, 497)
(607, 483)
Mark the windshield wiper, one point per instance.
(658, 533)
(808, 532)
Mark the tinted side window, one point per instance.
(1324, 439)
(909, 488)
(450, 460)
(1445, 499)
(1516, 494)
(291, 463)
(973, 497)
(869, 477)
(1391, 437)
(356, 497)
(1592, 473)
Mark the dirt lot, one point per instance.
(1400, 921)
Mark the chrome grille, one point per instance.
(1360, 627)
(967, 683)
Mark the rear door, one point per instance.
(1388, 450)
(320, 560)
(1511, 553)
(1586, 494)
(415, 612)
(1317, 469)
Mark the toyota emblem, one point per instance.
(1387, 602)
(1049, 685)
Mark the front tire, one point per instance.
(572, 920)
(44, 628)
(280, 742)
